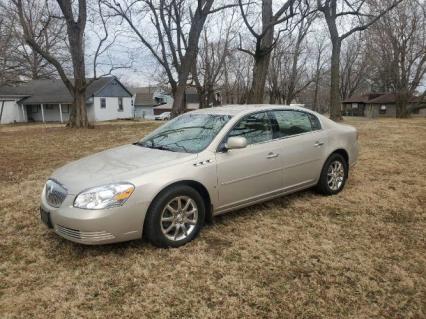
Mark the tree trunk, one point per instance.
(294, 68)
(210, 98)
(402, 105)
(262, 56)
(260, 71)
(271, 97)
(315, 104)
(179, 100)
(335, 103)
(79, 120)
(78, 116)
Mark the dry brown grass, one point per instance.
(360, 254)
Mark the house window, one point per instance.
(120, 104)
(382, 109)
(65, 108)
(49, 107)
(103, 103)
(35, 108)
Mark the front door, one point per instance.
(251, 173)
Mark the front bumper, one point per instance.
(93, 227)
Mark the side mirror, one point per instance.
(236, 142)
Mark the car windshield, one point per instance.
(188, 133)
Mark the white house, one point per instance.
(49, 101)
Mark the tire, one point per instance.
(333, 184)
(166, 221)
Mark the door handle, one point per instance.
(272, 155)
(318, 143)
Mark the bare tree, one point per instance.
(9, 66)
(264, 40)
(213, 52)
(49, 36)
(73, 14)
(353, 67)
(289, 72)
(75, 27)
(237, 77)
(177, 25)
(320, 65)
(335, 12)
(296, 82)
(397, 45)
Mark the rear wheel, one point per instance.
(175, 217)
(333, 175)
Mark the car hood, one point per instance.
(115, 165)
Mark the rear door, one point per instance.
(247, 174)
(302, 146)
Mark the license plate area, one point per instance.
(45, 218)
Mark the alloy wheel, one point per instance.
(179, 218)
(335, 175)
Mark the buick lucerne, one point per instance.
(198, 165)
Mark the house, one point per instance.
(377, 105)
(50, 101)
(145, 98)
(192, 101)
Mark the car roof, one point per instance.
(237, 109)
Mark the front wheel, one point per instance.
(175, 217)
(333, 175)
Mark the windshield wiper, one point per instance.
(163, 148)
(156, 147)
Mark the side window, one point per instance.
(120, 104)
(292, 123)
(316, 125)
(103, 103)
(256, 128)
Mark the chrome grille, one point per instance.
(55, 193)
(86, 236)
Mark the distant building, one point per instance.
(378, 105)
(49, 101)
(192, 101)
(146, 98)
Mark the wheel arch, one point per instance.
(199, 187)
(343, 152)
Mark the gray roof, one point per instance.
(50, 91)
(144, 95)
(377, 98)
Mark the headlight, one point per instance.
(107, 196)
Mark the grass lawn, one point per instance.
(360, 254)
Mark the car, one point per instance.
(163, 116)
(165, 186)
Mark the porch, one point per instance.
(47, 112)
